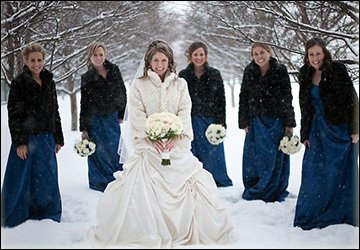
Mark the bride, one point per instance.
(154, 206)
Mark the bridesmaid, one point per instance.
(329, 191)
(102, 107)
(207, 94)
(266, 114)
(31, 189)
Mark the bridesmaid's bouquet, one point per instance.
(163, 126)
(215, 133)
(85, 147)
(290, 144)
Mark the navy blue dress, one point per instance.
(265, 168)
(208, 106)
(212, 156)
(105, 131)
(30, 189)
(329, 184)
(102, 105)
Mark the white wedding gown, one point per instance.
(155, 206)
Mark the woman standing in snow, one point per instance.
(329, 190)
(102, 107)
(150, 205)
(30, 188)
(207, 94)
(266, 114)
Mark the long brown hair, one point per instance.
(162, 47)
(328, 61)
(194, 46)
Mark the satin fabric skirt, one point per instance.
(329, 190)
(155, 206)
(266, 169)
(30, 189)
(105, 131)
(212, 156)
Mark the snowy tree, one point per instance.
(66, 28)
(230, 27)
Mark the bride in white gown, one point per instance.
(154, 206)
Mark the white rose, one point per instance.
(92, 146)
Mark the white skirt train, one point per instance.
(154, 206)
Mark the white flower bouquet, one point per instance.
(215, 133)
(163, 126)
(290, 144)
(85, 147)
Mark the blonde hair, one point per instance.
(32, 47)
(92, 48)
(159, 46)
(262, 45)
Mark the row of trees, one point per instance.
(66, 28)
(230, 27)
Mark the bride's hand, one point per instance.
(171, 143)
(162, 146)
(158, 145)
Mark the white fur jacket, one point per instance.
(149, 95)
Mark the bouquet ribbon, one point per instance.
(165, 156)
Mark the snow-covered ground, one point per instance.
(257, 224)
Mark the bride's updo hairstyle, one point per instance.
(162, 47)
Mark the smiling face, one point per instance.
(261, 56)
(198, 57)
(35, 62)
(316, 56)
(159, 64)
(98, 58)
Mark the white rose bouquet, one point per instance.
(290, 144)
(215, 133)
(163, 126)
(85, 147)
